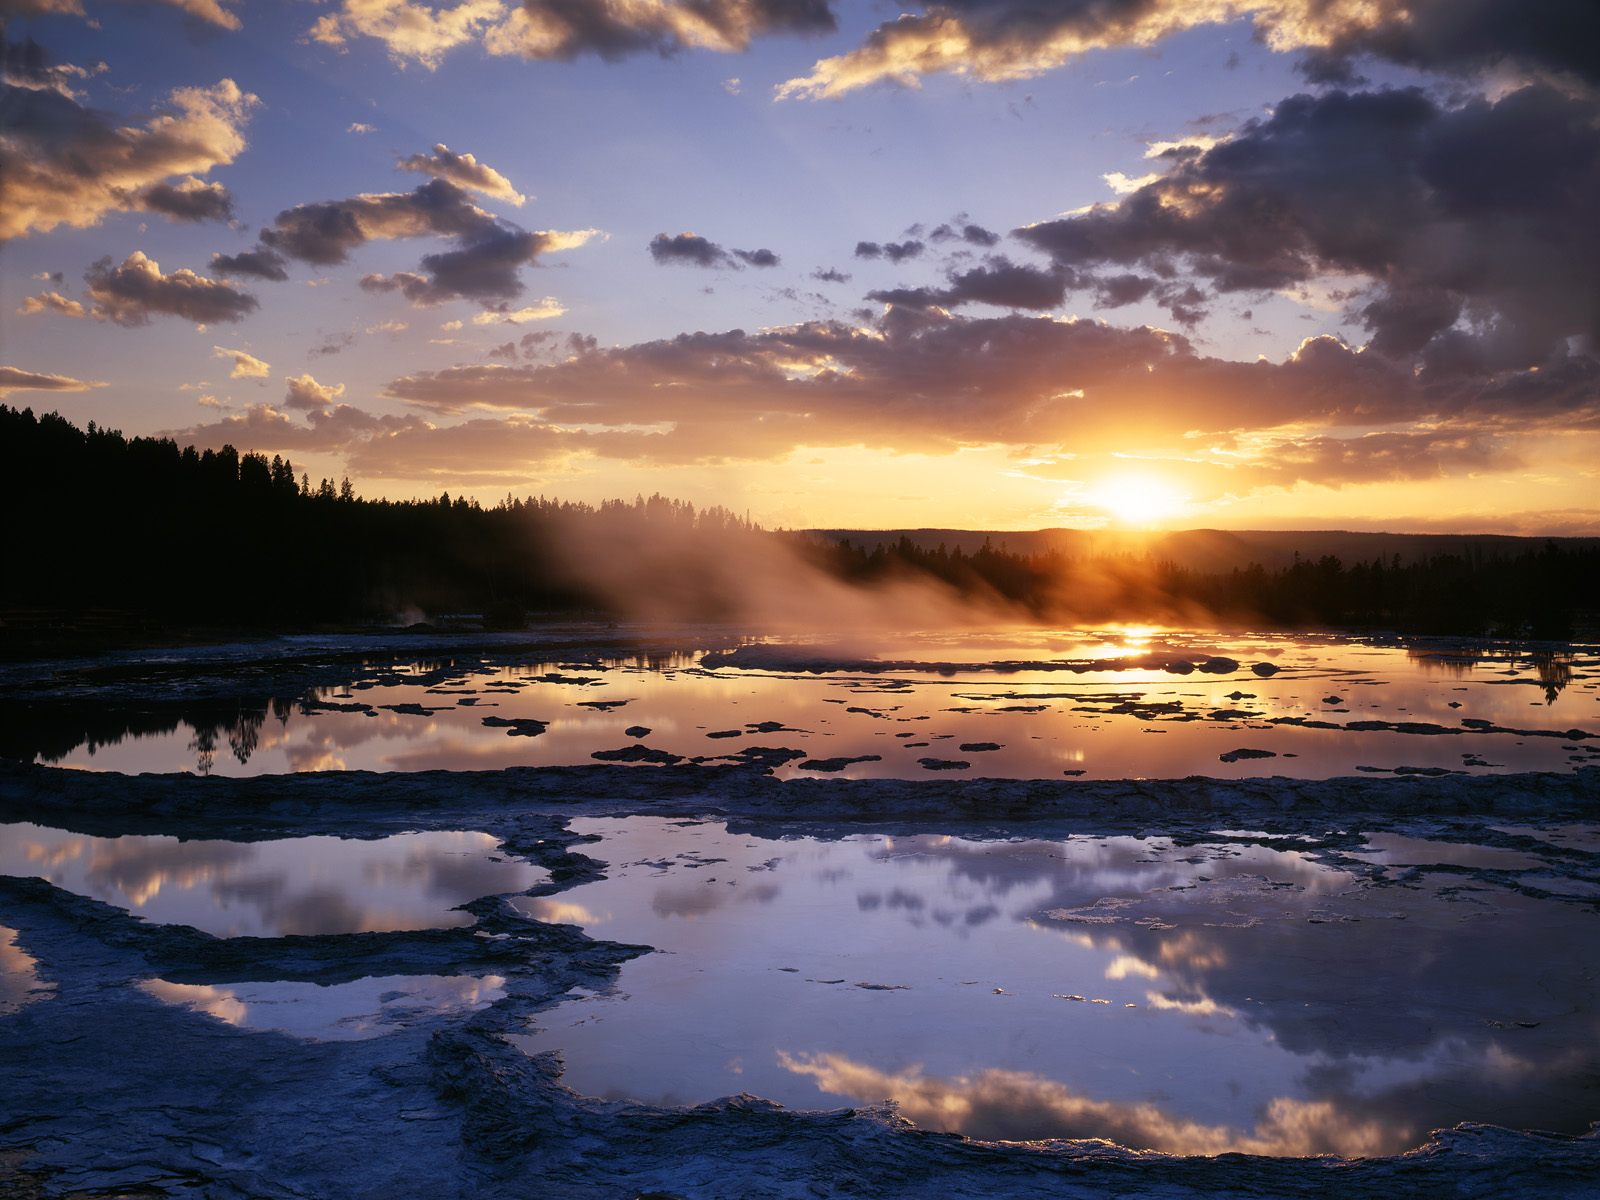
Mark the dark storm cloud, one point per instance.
(134, 291)
(257, 263)
(1474, 224)
(690, 249)
(1013, 39)
(189, 199)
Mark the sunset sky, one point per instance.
(983, 263)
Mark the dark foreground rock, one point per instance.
(105, 1090)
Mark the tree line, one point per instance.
(218, 539)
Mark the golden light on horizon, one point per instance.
(1137, 499)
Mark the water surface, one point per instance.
(303, 885)
(1012, 704)
(1227, 995)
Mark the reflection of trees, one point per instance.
(1552, 668)
(1555, 673)
(51, 732)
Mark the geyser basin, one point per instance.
(1024, 704)
(303, 885)
(1273, 996)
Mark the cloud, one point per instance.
(930, 382)
(974, 235)
(1065, 397)
(894, 251)
(26, 64)
(245, 365)
(189, 199)
(263, 427)
(999, 281)
(564, 29)
(361, 127)
(1017, 1106)
(830, 275)
(325, 232)
(211, 12)
(15, 379)
(305, 394)
(419, 32)
(257, 263)
(414, 32)
(484, 266)
(51, 302)
(1473, 225)
(546, 309)
(465, 171)
(690, 249)
(996, 40)
(132, 293)
(65, 164)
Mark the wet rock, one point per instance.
(943, 764)
(602, 705)
(773, 727)
(764, 758)
(308, 707)
(832, 765)
(1219, 666)
(410, 710)
(636, 732)
(978, 747)
(1244, 752)
(725, 733)
(518, 726)
(1266, 669)
(638, 754)
(1333, 699)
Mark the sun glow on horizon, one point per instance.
(1137, 499)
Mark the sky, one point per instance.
(981, 263)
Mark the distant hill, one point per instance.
(1216, 549)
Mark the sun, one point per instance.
(1139, 500)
